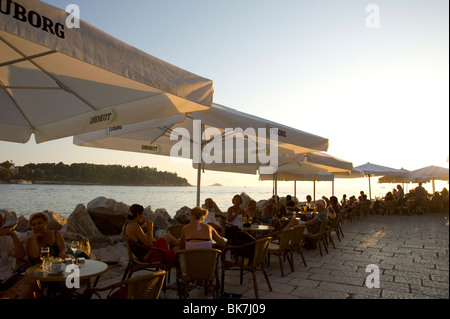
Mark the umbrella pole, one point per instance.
(295, 188)
(332, 188)
(314, 191)
(199, 177)
(370, 190)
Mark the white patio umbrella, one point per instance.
(395, 178)
(57, 81)
(310, 166)
(370, 169)
(206, 136)
(428, 173)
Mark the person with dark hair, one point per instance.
(291, 206)
(335, 204)
(132, 229)
(235, 212)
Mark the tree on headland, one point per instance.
(96, 174)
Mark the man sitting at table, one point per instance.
(312, 225)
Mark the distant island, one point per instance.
(84, 173)
(216, 184)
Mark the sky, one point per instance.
(379, 93)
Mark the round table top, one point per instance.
(91, 268)
(257, 228)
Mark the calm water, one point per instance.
(28, 199)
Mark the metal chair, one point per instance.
(281, 249)
(198, 266)
(320, 237)
(296, 241)
(135, 264)
(256, 263)
(141, 287)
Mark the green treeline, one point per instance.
(90, 174)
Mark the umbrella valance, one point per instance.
(57, 81)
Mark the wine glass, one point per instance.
(45, 257)
(74, 246)
(45, 253)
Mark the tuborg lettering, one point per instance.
(100, 118)
(149, 148)
(20, 13)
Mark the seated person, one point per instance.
(269, 211)
(251, 212)
(169, 244)
(210, 218)
(44, 238)
(12, 285)
(235, 212)
(291, 205)
(313, 225)
(335, 204)
(197, 234)
(309, 204)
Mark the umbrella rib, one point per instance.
(26, 58)
(60, 84)
(17, 106)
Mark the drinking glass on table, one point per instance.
(45, 257)
(45, 253)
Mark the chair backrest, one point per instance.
(146, 287)
(261, 246)
(285, 237)
(175, 230)
(128, 244)
(198, 264)
(297, 235)
(323, 227)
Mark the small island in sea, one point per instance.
(216, 184)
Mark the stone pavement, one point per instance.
(412, 253)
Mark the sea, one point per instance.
(25, 199)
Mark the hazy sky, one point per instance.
(379, 95)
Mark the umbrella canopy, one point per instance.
(370, 169)
(208, 138)
(213, 131)
(57, 81)
(317, 166)
(377, 170)
(395, 178)
(429, 173)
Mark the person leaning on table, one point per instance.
(44, 238)
(313, 225)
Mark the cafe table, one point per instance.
(89, 269)
(259, 229)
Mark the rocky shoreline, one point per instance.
(98, 225)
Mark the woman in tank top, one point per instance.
(197, 234)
